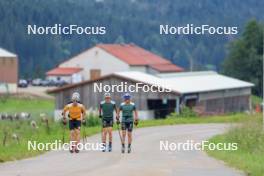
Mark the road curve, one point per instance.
(145, 159)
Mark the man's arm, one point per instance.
(136, 117)
(83, 113)
(100, 110)
(136, 114)
(117, 113)
(65, 109)
(119, 110)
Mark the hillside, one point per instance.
(135, 21)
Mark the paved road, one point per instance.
(146, 159)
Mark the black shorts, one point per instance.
(127, 126)
(75, 124)
(107, 123)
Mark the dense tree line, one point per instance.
(245, 59)
(135, 21)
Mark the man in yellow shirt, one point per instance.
(76, 113)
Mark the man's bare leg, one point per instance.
(123, 140)
(77, 138)
(72, 140)
(109, 130)
(129, 137)
(104, 138)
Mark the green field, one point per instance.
(32, 105)
(250, 154)
(14, 149)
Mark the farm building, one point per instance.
(67, 74)
(8, 71)
(104, 59)
(205, 92)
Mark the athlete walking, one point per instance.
(76, 113)
(128, 118)
(106, 109)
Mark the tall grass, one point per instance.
(250, 154)
(17, 149)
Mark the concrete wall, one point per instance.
(96, 58)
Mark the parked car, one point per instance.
(22, 83)
(44, 83)
(52, 83)
(61, 83)
(36, 82)
(29, 81)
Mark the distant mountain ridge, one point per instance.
(134, 21)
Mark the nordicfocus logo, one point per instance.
(58, 145)
(125, 87)
(59, 29)
(191, 29)
(190, 145)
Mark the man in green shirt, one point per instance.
(128, 118)
(106, 109)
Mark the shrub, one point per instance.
(93, 120)
(185, 112)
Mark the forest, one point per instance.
(131, 21)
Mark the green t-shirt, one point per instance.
(108, 109)
(127, 111)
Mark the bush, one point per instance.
(93, 121)
(185, 112)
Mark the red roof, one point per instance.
(135, 55)
(167, 68)
(63, 71)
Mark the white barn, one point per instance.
(104, 59)
(207, 93)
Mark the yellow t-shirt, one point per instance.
(75, 111)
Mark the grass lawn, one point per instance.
(250, 154)
(32, 105)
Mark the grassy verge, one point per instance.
(250, 154)
(17, 149)
(171, 120)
